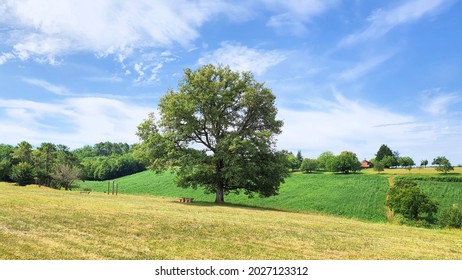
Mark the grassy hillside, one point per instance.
(355, 195)
(39, 223)
(445, 193)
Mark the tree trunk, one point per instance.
(219, 189)
(219, 195)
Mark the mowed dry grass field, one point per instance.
(40, 223)
(414, 171)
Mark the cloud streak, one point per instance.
(292, 15)
(363, 67)
(243, 58)
(436, 102)
(58, 90)
(382, 22)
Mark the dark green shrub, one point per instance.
(451, 218)
(407, 199)
(22, 173)
(5, 169)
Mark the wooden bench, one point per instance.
(186, 199)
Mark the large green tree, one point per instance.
(23, 152)
(43, 159)
(309, 165)
(325, 159)
(6, 152)
(217, 131)
(406, 162)
(443, 164)
(293, 162)
(346, 162)
(383, 151)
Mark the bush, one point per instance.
(64, 175)
(407, 199)
(451, 218)
(22, 173)
(5, 169)
(401, 220)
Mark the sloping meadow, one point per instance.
(354, 195)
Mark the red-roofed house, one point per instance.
(366, 164)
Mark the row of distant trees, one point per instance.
(386, 158)
(347, 162)
(55, 165)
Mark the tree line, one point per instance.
(347, 162)
(55, 165)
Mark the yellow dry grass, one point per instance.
(414, 171)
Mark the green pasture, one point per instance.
(445, 193)
(354, 196)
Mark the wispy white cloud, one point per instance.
(147, 71)
(344, 124)
(363, 67)
(437, 102)
(4, 57)
(105, 79)
(43, 30)
(292, 15)
(88, 120)
(243, 58)
(383, 21)
(65, 92)
(58, 90)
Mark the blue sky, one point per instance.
(348, 75)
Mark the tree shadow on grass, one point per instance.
(229, 205)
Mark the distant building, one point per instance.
(366, 164)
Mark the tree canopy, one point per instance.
(218, 132)
(383, 151)
(346, 162)
(309, 165)
(406, 162)
(443, 164)
(324, 160)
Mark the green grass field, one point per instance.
(354, 196)
(445, 193)
(41, 223)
